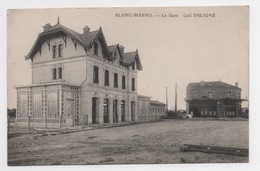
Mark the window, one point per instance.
(228, 95)
(116, 80)
(123, 82)
(238, 94)
(133, 84)
(210, 95)
(106, 78)
(60, 73)
(59, 50)
(133, 66)
(195, 95)
(54, 49)
(95, 74)
(54, 73)
(95, 49)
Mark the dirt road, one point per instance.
(144, 143)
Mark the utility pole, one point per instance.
(166, 99)
(175, 97)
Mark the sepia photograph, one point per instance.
(128, 85)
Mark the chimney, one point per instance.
(86, 29)
(122, 48)
(236, 84)
(202, 83)
(46, 27)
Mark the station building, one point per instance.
(78, 79)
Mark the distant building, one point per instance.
(148, 109)
(143, 107)
(213, 99)
(157, 109)
(78, 79)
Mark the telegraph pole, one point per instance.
(175, 97)
(166, 99)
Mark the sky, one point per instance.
(172, 49)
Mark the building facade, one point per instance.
(213, 99)
(157, 109)
(148, 109)
(78, 79)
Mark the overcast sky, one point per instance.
(172, 49)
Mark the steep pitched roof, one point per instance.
(213, 84)
(89, 37)
(112, 48)
(129, 58)
(85, 39)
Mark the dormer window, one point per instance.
(133, 66)
(96, 49)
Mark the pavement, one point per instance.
(78, 128)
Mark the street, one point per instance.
(157, 142)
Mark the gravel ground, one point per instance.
(157, 142)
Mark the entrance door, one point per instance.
(132, 111)
(115, 114)
(123, 111)
(106, 110)
(70, 112)
(95, 111)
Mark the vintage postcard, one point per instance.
(147, 85)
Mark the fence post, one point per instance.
(29, 120)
